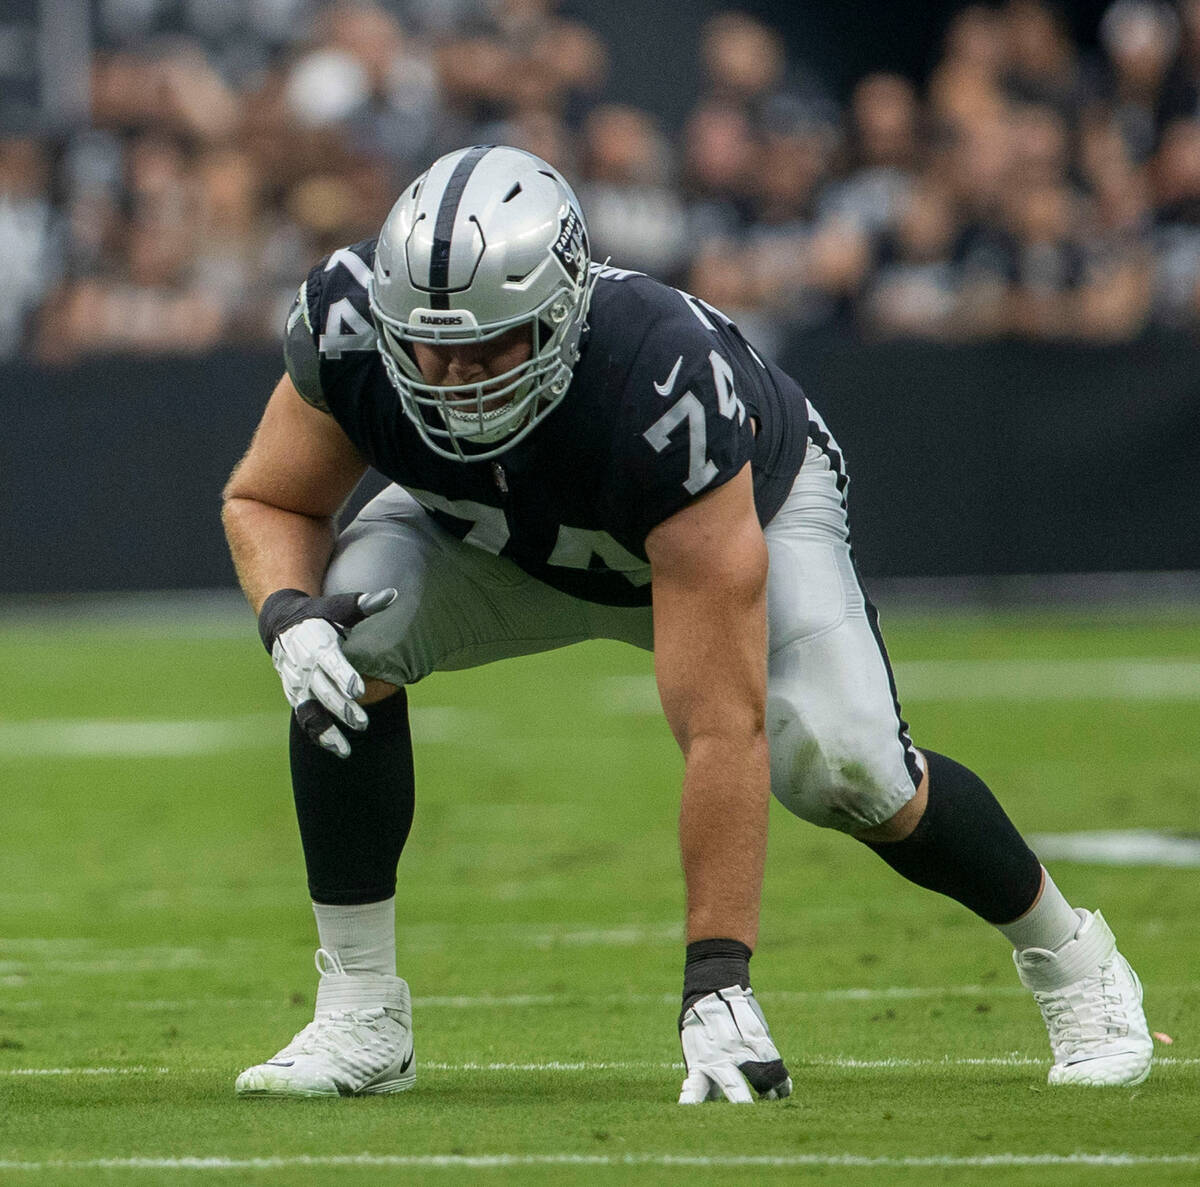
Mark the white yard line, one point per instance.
(881, 993)
(85, 1071)
(101, 737)
(554, 1000)
(1132, 679)
(1120, 847)
(845, 1062)
(466, 1002)
(839, 1062)
(21, 969)
(893, 993)
(72, 737)
(69, 947)
(566, 1000)
(1136, 679)
(503, 1161)
(553, 1065)
(609, 936)
(34, 956)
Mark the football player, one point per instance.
(580, 452)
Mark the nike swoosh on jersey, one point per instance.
(665, 389)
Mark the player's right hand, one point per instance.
(304, 637)
(726, 1045)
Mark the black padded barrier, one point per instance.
(997, 458)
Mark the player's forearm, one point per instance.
(723, 834)
(276, 549)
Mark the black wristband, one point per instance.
(711, 965)
(278, 612)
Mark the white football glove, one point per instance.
(304, 636)
(725, 1044)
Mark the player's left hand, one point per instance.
(727, 1046)
(304, 636)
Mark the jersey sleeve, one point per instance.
(685, 431)
(300, 349)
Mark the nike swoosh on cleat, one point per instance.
(1093, 1058)
(407, 1063)
(279, 1063)
(665, 389)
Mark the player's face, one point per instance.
(452, 364)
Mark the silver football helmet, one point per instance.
(488, 239)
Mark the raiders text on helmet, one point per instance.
(490, 238)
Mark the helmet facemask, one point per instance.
(498, 410)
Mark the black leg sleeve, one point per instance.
(966, 847)
(355, 813)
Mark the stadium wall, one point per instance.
(982, 459)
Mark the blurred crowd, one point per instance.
(1028, 189)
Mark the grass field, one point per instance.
(155, 935)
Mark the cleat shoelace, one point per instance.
(1087, 1012)
(335, 1034)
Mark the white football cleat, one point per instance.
(359, 1042)
(1091, 1001)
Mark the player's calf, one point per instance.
(964, 846)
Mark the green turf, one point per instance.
(153, 917)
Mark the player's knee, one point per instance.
(830, 790)
(828, 781)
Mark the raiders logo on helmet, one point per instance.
(570, 246)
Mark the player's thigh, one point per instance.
(840, 752)
(458, 606)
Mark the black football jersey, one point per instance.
(663, 406)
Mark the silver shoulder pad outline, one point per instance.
(300, 353)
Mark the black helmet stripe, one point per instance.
(443, 229)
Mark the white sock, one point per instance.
(1048, 924)
(363, 935)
